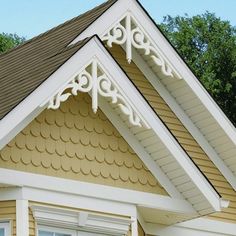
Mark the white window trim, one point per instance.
(56, 230)
(6, 225)
(74, 221)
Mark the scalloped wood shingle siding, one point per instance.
(184, 138)
(73, 142)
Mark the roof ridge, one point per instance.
(52, 29)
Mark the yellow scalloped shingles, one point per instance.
(73, 142)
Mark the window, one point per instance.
(49, 231)
(4, 229)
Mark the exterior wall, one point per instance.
(8, 212)
(73, 142)
(184, 138)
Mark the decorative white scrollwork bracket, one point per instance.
(95, 81)
(127, 32)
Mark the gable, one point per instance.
(55, 144)
(73, 142)
(179, 131)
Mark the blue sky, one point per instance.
(31, 17)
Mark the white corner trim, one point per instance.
(153, 79)
(71, 219)
(22, 218)
(134, 226)
(45, 188)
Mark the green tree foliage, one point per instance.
(9, 41)
(208, 45)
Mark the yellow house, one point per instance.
(104, 130)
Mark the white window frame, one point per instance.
(56, 230)
(59, 220)
(6, 226)
(59, 230)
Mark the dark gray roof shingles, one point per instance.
(24, 68)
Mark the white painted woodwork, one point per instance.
(22, 217)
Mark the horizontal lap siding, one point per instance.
(8, 212)
(184, 138)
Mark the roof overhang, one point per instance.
(206, 121)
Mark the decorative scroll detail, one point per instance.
(127, 32)
(93, 80)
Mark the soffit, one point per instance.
(133, 28)
(185, 139)
(155, 147)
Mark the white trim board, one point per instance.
(81, 220)
(42, 188)
(22, 217)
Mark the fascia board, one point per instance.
(33, 184)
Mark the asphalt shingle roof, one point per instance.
(24, 68)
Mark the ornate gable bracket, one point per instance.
(129, 33)
(93, 80)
